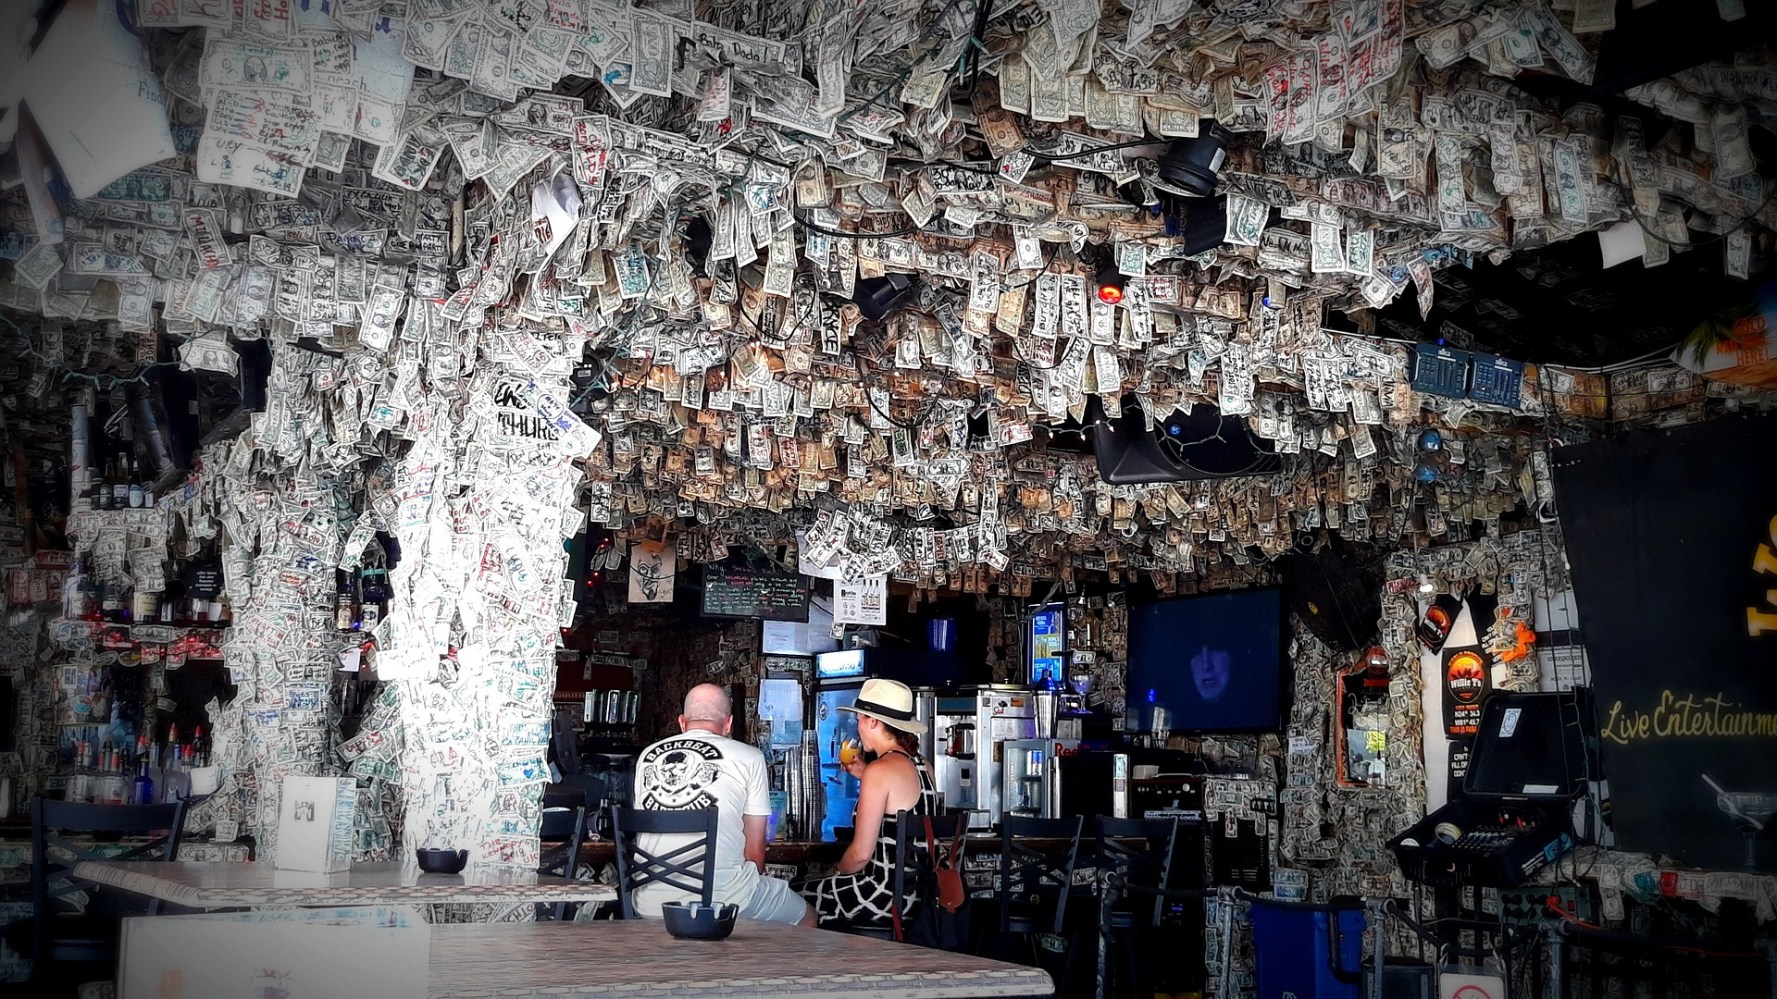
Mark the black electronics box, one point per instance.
(1530, 762)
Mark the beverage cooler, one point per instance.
(970, 730)
(838, 675)
(1030, 776)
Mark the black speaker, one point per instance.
(1203, 444)
(1336, 591)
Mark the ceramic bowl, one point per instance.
(442, 861)
(696, 921)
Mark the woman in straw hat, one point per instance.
(861, 891)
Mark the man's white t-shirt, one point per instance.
(701, 769)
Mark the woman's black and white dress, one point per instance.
(866, 896)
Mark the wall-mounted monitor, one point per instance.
(1212, 663)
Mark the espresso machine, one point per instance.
(970, 729)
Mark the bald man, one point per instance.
(703, 768)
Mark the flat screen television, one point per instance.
(1212, 663)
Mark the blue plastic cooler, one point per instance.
(1308, 951)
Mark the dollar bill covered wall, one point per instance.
(806, 274)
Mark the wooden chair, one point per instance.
(687, 867)
(562, 833)
(62, 939)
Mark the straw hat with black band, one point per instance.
(889, 702)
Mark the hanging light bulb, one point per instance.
(1431, 440)
(1426, 586)
(1110, 283)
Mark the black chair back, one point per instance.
(53, 857)
(560, 836)
(1149, 868)
(687, 867)
(562, 833)
(1032, 879)
(564, 743)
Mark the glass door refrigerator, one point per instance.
(838, 675)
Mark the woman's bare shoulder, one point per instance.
(894, 767)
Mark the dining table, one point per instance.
(200, 885)
(637, 959)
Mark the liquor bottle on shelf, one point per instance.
(114, 603)
(200, 748)
(142, 789)
(120, 481)
(78, 599)
(107, 480)
(136, 493)
(374, 593)
(144, 606)
(345, 602)
(156, 772)
(176, 783)
(112, 786)
(79, 778)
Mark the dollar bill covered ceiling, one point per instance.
(874, 274)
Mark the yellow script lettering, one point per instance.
(1761, 622)
(1765, 561)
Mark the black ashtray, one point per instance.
(442, 861)
(696, 921)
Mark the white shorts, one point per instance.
(771, 901)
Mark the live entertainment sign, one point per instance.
(1672, 536)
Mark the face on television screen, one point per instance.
(1206, 664)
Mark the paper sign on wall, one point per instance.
(864, 601)
(651, 572)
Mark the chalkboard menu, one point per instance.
(774, 596)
